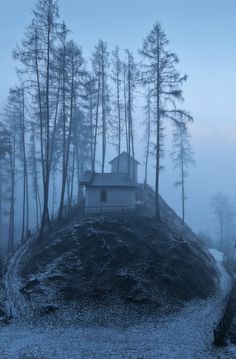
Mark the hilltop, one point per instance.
(122, 261)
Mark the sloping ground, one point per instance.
(2, 295)
(118, 260)
(187, 334)
(229, 319)
(231, 329)
(231, 308)
(2, 306)
(16, 304)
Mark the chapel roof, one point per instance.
(92, 179)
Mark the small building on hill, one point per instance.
(124, 163)
(112, 192)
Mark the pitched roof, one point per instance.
(126, 155)
(87, 177)
(106, 180)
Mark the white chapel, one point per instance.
(114, 191)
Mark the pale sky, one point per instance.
(203, 34)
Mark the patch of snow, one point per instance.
(225, 282)
(219, 256)
(187, 334)
(16, 305)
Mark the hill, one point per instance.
(129, 261)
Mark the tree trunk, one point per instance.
(96, 124)
(125, 111)
(182, 178)
(72, 179)
(12, 201)
(148, 140)
(119, 113)
(45, 216)
(67, 153)
(103, 102)
(158, 129)
(1, 205)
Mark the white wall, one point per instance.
(116, 198)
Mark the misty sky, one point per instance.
(203, 34)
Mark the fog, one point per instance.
(203, 36)
(117, 179)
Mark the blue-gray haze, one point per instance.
(203, 34)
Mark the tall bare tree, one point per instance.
(4, 152)
(117, 79)
(75, 73)
(182, 156)
(100, 62)
(164, 80)
(223, 211)
(131, 82)
(10, 116)
(33, 164)
(147, 134)
(36, 55)
(90, 104)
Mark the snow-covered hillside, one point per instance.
(131, 261)
(187, 334)
(115, 287)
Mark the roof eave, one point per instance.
(111, 186)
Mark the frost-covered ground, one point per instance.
(187, 334)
